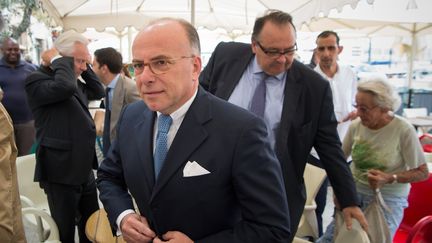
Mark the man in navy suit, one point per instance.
(298, 107)
(219, 181)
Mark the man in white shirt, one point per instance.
(343, 83)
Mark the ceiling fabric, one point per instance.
(231, 15)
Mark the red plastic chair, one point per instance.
(419, 206)
(422, 231)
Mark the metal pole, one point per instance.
(412, 55)
(193, 12)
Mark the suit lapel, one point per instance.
(293, 90)
(84, 105)
(144, 142)
(232, 76)
(117, 103)
(188, 138)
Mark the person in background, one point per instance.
(343, 83)
(120, 90)
(11, 225)
(13, 73)
(65, 132)
(200, 169)
(294, 101)
(125, 71)
(386, 152)
(314, 60)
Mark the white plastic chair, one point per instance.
(42, 219)
(30, 191)
(34, 201)
(313, 177)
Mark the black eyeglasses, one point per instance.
(157, 66)
(276, 53)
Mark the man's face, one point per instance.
(275, 38)
(81, 56)
(11, 52)
(327, 51)
(165, 46)
(98, 70)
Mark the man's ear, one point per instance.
(254, 46)
(340, 49)
(104, 68)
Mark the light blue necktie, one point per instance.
(164, 123)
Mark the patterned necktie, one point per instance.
(259, 97)
(106, 132)
(164, 123)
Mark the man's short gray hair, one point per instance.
(65, 42)
(385, 95)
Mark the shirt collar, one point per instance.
(181, 112)
(3, 63)
(113, 83)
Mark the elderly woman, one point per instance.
(385, 150)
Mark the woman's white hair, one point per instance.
(385, 95)
(65, 42)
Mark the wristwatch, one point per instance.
(395, 179)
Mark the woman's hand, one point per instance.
(378, 178)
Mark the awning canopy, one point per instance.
(227, 14)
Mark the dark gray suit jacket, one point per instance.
(65, 130)
(241, 200)
(307, 120)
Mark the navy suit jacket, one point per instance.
(307, 120)
(241, 200)
(65, 131)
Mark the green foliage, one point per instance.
(365, 158)
(22, 8)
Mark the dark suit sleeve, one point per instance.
(93, 87)
(110, 181)
(328, 146)
(44, 89)
(206, 74)
(259, 188)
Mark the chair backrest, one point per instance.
(415, 112)
(27, 187)
(422, 231)
(98, 229)
(313, 178)
(43, 220)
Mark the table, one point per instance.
(424, 123)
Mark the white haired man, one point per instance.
(65, 132)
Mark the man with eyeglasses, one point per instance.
(65, 132)
(343, 83)
(298, 107)
(199, 168)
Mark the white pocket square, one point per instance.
(194, 169)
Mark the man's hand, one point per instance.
(351, 116)
(48, 55)
(99, 119)
(135, 228)
(173, 237)
(354, 212)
